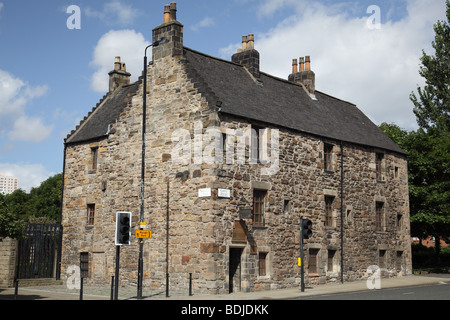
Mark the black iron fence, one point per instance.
(39, 252)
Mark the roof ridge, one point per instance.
(213, 57)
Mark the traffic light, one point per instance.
(306, 228)
(123, 228)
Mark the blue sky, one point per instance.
(52, 76)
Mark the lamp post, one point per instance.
(144, 113)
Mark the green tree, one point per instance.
(41, 205)
(429, 149)
(45, 200)
(10, 225)
(432, 107)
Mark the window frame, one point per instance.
(262, 264)
(259, 200)
(94, 158)
(90, 214)
(329, 201)
(379, 216)
(327, 157)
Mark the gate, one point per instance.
(40, 252)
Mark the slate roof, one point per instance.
(270, 100)
(97, 122)
(280, 102)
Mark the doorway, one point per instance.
(235, 270)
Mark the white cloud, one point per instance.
(206, 22)
(30, 129)
(375, 69)
(1, 5)
(29, 175)
(15, 95)
(129, 45)
(114, 13)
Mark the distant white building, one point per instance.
(8, 184)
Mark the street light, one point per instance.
(144, 113)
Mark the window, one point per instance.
(399, 222)
(259, 197)
(94, 158)
(255, 143)
(262, 263)
(313, 260)
(379, 166)
(382, 259)
(349, 215)
(329, 211)
(286, 205)
(328, 152)
(379, 216)
(90, 214)
(399, 260)
(331, 254)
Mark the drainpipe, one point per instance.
(59, 253)
(342, 213)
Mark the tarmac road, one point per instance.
(435, 284)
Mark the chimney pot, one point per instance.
(302, 64)
(308, 63)
(244, 42)
(294, 65)
(166, 13)
(173, 11)
(117, 63)
(251, 41)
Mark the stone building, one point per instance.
(233, 157)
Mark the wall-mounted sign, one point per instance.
(224, 193)
(205, 192)
(143, 234)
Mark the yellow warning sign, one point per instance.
(299, 262)
(143, 234)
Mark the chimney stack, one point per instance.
(119, 76)
(170, 29)
(305, 75)
(248, 56)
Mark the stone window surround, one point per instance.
(334, 194)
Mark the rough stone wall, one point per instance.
(200, 236)
(8, 254)
(301, 184)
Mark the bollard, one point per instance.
(16, 288)
(81, 288)
(167, 285)
(112, 288)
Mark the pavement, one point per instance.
(61, 292)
